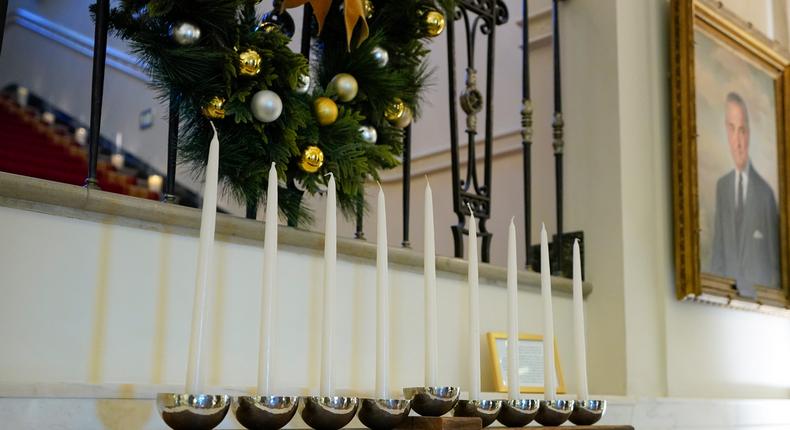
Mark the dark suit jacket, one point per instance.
(756, 262)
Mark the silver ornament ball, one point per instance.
(380, 56)
(368, 133)
(266, 106)
(303, 84)
(185, 33)
(345, 86)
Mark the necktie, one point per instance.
(738, 209)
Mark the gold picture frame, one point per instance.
(731, 53)
(500, 383)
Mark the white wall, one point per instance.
(110, 302)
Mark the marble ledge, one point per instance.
(53, 198)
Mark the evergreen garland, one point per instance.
(197, 73)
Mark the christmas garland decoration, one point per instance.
(226, 65)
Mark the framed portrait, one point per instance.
(530, 359)
(730, 112)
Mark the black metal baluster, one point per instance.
(558, 143)
(487, 188)
(252, 209)
(406, 186)
(97, 89)
(172, 149)
(307, 23)
(526, 133)
(307, 19)
(359, 233)
(458, 242)
(3, 11)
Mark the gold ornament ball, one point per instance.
(434, 22)
(325, 110)
(395, 110)
(268, 27)
(215, 108)
(368, 9)
(405, 119)
(312, 159)
(345, 86)
(249, 63)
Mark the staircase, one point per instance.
(31, 146)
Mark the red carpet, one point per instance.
(30, 147)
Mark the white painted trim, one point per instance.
(79, 43)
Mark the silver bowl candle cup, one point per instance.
(329, 413)
(264, 412)
(518, 413)
(192, 411)
(432, 401)
(486, 410)
(587, 412)
(383, 414)
(554, 412)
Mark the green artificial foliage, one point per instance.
(197, 73)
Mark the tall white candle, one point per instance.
(513, 384)
(195, 382)
(382, 302)
(267, 285)
(330, 270)
(549, 382)
(474, 314)
(578, 323)
(431, 333)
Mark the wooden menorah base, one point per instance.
(462, 423)
(441, 423)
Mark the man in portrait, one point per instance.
(746, 236)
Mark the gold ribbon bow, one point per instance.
(354, 11)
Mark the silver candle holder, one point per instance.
(486, 410)
(328, 413)
(554, 412)
(432, 401)
(383, 414)
(518, 413)
(192, 411)
(264, 412)
(587, 412)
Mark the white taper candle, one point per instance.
(474, 313)
(195, 382)
(513, 384)
(330, 272)
(267, 285)
(549, 381)
(382, 301)
(431, 333)
(578, 323)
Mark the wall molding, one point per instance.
(505, 144)
(74, 41)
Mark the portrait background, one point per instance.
(719, 70)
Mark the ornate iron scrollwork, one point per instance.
(477, 16)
